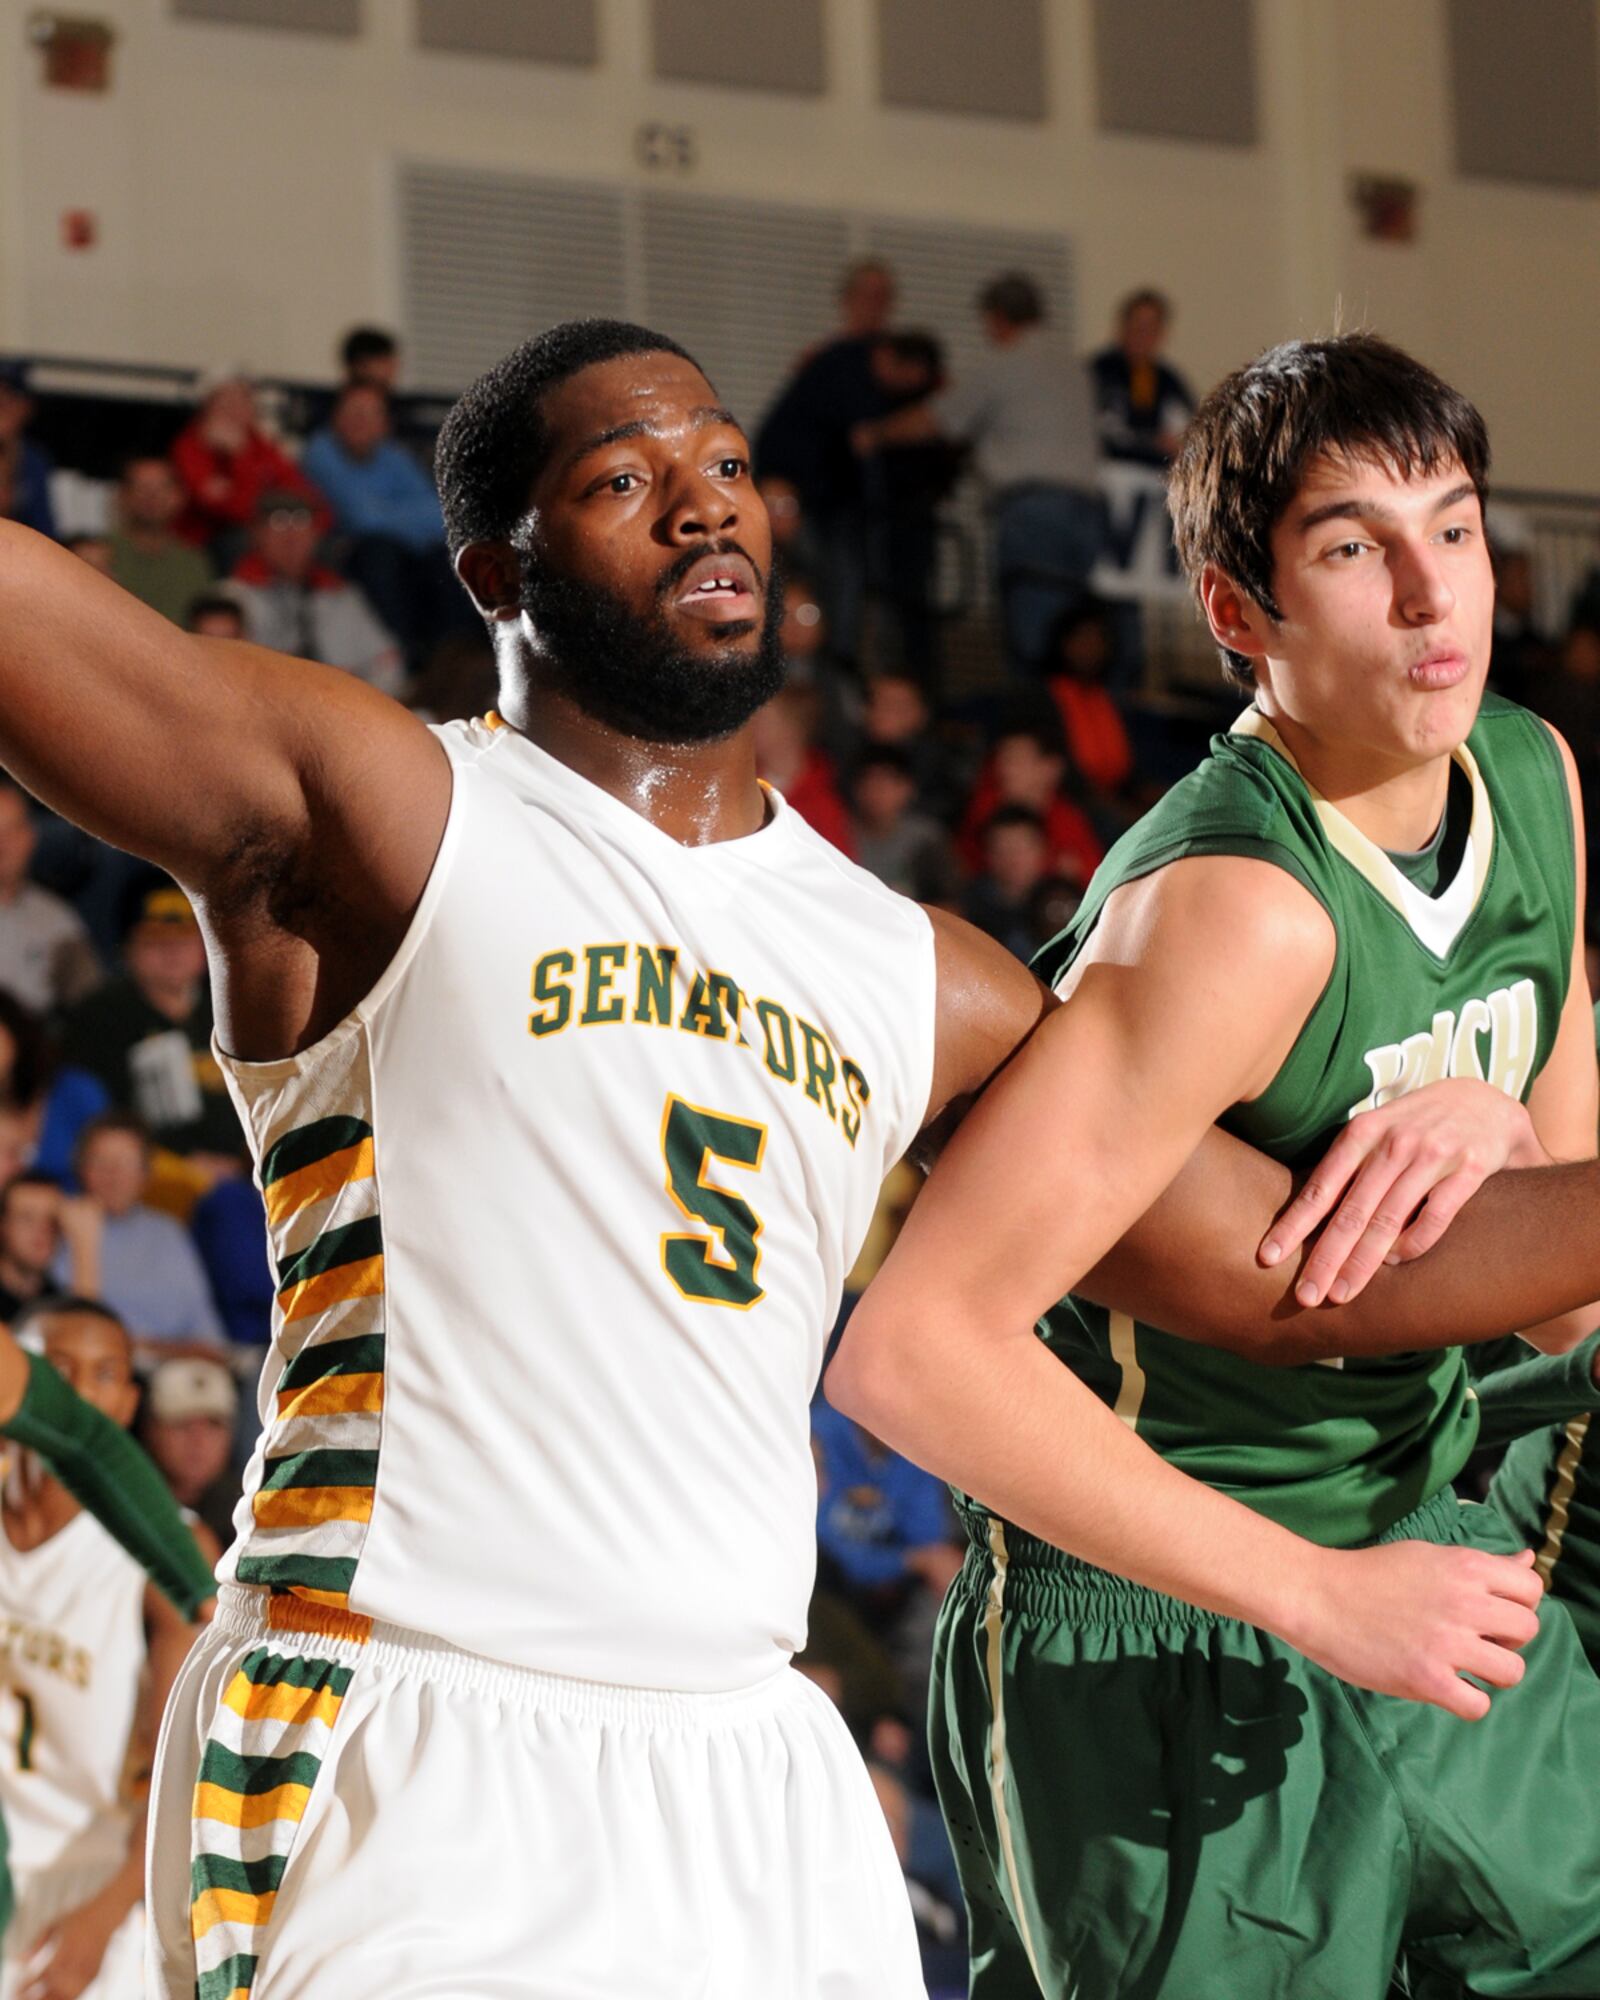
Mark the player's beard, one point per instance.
(631, 673)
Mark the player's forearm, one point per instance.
(1004, 1420)
(1524, 1250)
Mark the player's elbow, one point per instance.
(866, 1375)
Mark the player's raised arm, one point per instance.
(1068, 1147)
(237, 769)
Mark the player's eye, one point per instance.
(1454, 537)
(1348, 551)
(621, 482)
(732, 468)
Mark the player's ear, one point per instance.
(492, 573)
(1236, 621)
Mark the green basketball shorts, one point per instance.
(1151, 1803)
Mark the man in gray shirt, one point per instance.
(46, 958)
(1027, 411)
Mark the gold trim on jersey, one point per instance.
(1561, 1490)
(1125, 1352)
(1368, 858)
(994, 1660)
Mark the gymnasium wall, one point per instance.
(245, 181)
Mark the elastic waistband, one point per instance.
(1037, 1576)
(246, 1615)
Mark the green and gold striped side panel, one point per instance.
(314, 1499)
(266, 1747)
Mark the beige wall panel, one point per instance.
(557, 31)
(987, 59)
(753, 44)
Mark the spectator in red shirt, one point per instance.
(1025, 768)
(789, 761)
(227, 462)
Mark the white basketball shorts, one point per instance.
(385, 1817)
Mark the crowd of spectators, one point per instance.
(123, 1171)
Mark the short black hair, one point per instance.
(367, 343)
(1014, 815)
(211, 604)
(493, 443)
(29, 1177)
(886, 757)
(1253, 439)
(1013, 297)
(51, 1305)
(110, 1121)
(1146, 295)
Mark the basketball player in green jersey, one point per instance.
(1372, 884)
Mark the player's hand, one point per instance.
(66, 1957)
(1404, 1171)
(1409, 1618)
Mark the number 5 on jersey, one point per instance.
(719, 1268)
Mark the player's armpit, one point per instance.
(1525, 1248)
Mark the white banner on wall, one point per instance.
(1140, 561)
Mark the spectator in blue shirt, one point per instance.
(149, 1271)
(387, 513)
(887, 1541)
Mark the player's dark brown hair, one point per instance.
(1252, 441)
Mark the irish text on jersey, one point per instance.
(1493, 1039)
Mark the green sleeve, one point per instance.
(1520, 1390)
(106, 1472)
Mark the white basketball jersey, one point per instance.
(561, 1216)
(72, 1651)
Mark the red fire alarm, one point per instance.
(80, 229)
(76, 50)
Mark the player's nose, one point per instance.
(1422, 589)
(698, 507)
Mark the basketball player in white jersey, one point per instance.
(572, 1061)
(80, 1622)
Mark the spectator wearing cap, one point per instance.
(1142, 404)
(27, 466)
(147, 1035)
(187, 1425)
(148, 557)
(296, 604)
(386, 509)
(141, 1262)
(226, 462)
(1027, 411)
(46, 959)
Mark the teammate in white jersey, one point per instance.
(572, 1061)
(81, 1623)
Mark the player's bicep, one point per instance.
(202, 755)
(1095, 1114)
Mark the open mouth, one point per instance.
(720, 589)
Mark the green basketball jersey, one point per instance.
(1466, 983)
